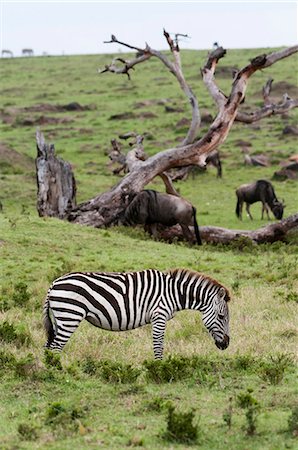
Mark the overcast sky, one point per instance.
(74, 27)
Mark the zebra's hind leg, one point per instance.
(158, 332)
(63, 333)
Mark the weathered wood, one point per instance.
(56, 185)
(273, 232)
(107, 208)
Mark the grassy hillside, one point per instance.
(106, 391)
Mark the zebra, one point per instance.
(120, 301)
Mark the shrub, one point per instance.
(293, 421)
(246, 401)
(274, 369)
(90, 366)
(7, 360)
(168, 370)
(20, 296)
(27, 432)
(9, 333)
(180, 426)
(117, 372)
(52, 360)
(64, 417)
(26, 366)
(158, 404)
(227, 414)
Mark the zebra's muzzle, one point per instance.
(222, 345)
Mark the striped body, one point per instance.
(124, 301)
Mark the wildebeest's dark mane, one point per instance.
(175, 272)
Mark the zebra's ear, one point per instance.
(222, 293)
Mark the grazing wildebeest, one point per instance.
(150, 208)
(7, 52)
(27, 51)
(214, 159)
(259, 191)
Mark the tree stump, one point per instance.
(56, 186)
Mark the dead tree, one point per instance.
(273, 232)
(107, 209)
(56, 185)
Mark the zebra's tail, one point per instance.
(196, 226)
(47, 322)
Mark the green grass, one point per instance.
(106, 391)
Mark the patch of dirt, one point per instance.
(147, 103)
(47, 107)
(25, 116)
(123, 116)
(40, 120)
(283, 87)
(11, 157)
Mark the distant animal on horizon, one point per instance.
(7, 52)
(125, 301)
(27, 51)
(150, 208)
(259, 191)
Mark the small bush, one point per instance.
(292, 297)
(244, 363)
(168, 370)
(20, 296)
(180, 427)
(246, 401)
(293, 421)
(64, 417)
(158, 404)
(27, 432)
(7, 360)
(118, 373)
(274, 368)
(9, 333)
(26, 366)
(242, 244)
(90, 366)
(227, 414)
(52, 360)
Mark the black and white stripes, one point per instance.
(124, 301)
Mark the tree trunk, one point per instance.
(56, 186)
(269, 233)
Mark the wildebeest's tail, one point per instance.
(238, 208)
(196, 226)
(47, 322)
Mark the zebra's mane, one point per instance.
(175, 272)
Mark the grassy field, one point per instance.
(105, 391)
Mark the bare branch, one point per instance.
(175, 68)
(266, 91)
(268, 110)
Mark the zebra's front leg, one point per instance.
(158, 333)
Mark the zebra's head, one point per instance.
(216, 319)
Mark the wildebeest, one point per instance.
(259, 191)
(27, 51)
(7, 53)
(150, 208)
